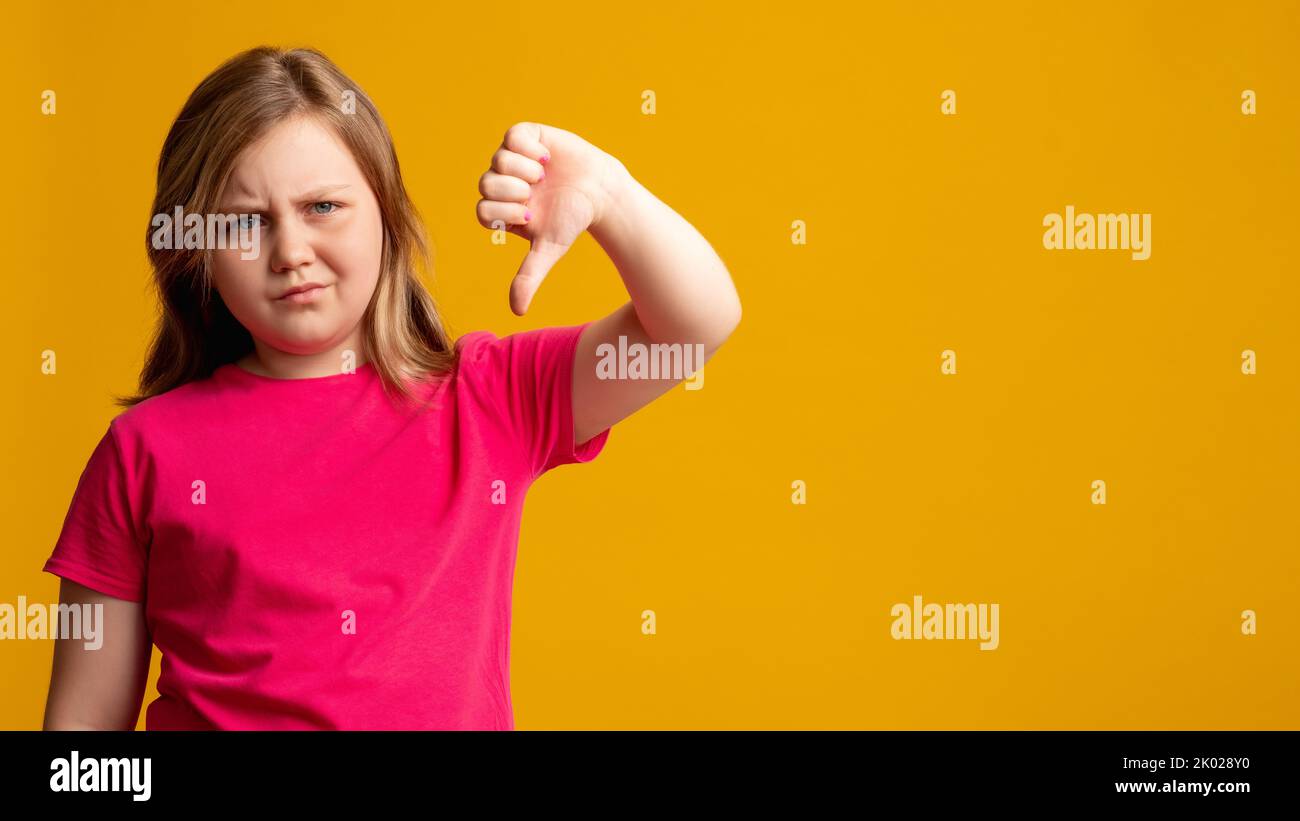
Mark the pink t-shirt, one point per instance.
(311, 555)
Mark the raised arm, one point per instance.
(681, 294)
(548, 186)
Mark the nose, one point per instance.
(291, 247)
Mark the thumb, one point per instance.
(541, 257)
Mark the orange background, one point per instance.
(924, 233)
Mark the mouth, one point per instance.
(308, 292)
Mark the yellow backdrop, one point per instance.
(923, 233)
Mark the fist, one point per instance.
(546, 185)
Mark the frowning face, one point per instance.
(320, 230)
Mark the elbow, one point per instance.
(61, 724)
(728, 321)
(721, 328)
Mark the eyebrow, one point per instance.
(315, 195)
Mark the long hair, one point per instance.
(231, 108)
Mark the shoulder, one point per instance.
(481, 356)
(517, 367)
(476, 345)
(479, 351)
(164, 415)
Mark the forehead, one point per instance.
(294, 155)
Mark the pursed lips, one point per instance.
(301, 289)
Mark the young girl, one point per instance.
(312, 507)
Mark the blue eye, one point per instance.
(316, 208)
(248, 221)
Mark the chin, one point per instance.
(306, 346)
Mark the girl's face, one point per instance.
(320, 224)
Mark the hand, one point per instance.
(546, 185)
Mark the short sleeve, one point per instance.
(529, 376)
(99, 545)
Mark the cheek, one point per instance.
(354, 254)
(240, 282)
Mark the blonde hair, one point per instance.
(232, 107)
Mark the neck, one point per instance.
(268, 361)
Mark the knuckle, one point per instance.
(517, 135)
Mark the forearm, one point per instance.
(680, 288)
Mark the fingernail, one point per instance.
(528, 215)
(546, 158)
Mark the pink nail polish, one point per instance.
(528, 215)
(545, 158)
